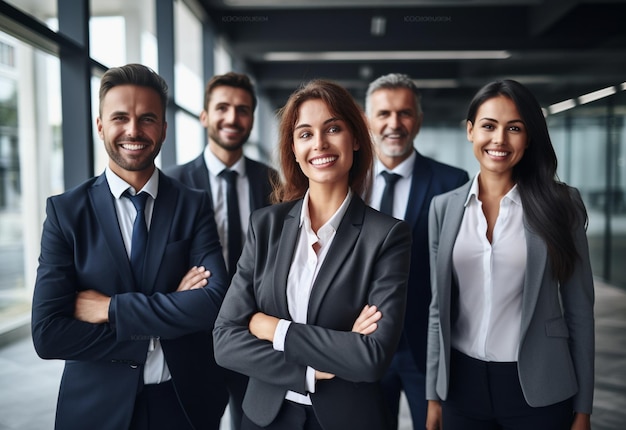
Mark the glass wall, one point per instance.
(591, 144)
(31, 164)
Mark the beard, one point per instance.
(227, 145)
(133, 164)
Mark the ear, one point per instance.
(204, 118)
(470, 130)
(99, 128)
(356, 146)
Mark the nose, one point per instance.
(231, 115)
(320, 142)
(394, 121)
(132, 128)
(499, 136)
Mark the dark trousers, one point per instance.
(292, 416)
(236, 383)
(488, 396)
(403, 375)
(157, 408)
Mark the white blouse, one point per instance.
(490, 277)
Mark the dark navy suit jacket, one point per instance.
(82, 248)
(429, 179)
(195, 175)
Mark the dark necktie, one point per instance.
(140, 236)
(234, 221)
(386, 203)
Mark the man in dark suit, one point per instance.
(395, 116)
(122, 292)
(228, 116)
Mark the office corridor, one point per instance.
(28, 385)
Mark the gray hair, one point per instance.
(393, 81)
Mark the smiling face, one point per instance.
(132, 127)
(394, 122)
(323, 145)
(498, 135)
(228, 118)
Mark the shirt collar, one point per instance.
(404, 169)
(118, 186)
(330, 227)
(512, 195)
(216, 167)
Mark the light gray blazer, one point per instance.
(556, 351)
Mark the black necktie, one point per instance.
(386, 203)
(140, 236)
(234, 221)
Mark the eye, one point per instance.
(515, 128)
(304, 135)
(487, 126)
(334, 129)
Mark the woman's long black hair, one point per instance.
(549, 208)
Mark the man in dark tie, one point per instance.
(122, 293)
(404, 184)
(236, 184)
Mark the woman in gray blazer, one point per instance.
(511, 329)
(315, 310)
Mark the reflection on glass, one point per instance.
(31, 164)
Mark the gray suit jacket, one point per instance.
(368, 263)
(556, 351)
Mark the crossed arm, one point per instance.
(93, 307)
(263, 326)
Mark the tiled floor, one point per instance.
(28, 385)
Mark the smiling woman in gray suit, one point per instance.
(511, 331)
(315, 310)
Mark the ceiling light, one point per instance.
(596, 95)
(385, 55)
(378, 26)
(561, 106)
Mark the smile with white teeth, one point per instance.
(322, 160)
(133, 146)
(497, 153)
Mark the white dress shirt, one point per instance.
(218, 192)
(401, 190)
(490, 277)
(302, 274)
(155, 369)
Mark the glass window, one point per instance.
(43, 10)
(124, 33)
(31, 164)
(188, 65)
(190, 137)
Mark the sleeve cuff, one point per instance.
(280, 334)
(310, 379)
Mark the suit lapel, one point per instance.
(284, 257)
(420, 183)
(104, 209)
(341, 248)
(160, 226)
(199, 177)
(255, 182)
(536, 261)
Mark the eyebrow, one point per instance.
(495, 120)
(329, 120)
